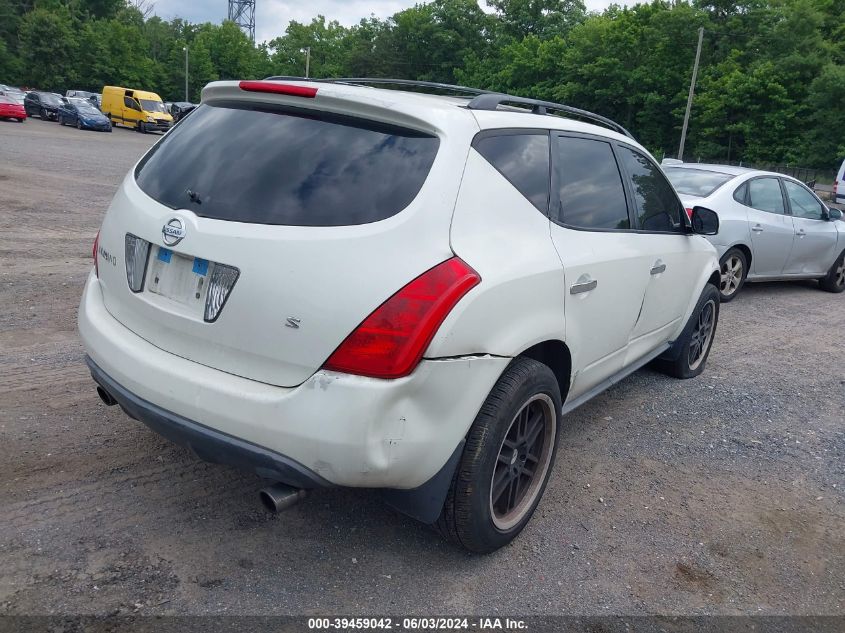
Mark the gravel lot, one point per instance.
(722, 494)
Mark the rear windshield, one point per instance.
(696, 182)
(265, 165)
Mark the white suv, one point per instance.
(340, 285)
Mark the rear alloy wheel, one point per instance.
(506, 463)
(734, 269)
(835, 280)
(688, 356)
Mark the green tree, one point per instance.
(48, 46)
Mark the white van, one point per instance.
(839, 185)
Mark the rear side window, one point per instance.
(764, 194)
(589, 185)
(658, 207)
(524, 160)
(264, 165)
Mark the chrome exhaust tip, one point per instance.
(106, 397)
(280, 497)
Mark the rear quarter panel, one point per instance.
(519, 301)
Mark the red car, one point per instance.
(11, 109)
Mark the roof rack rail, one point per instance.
(482, 99)
(364, 81)
(492, 101)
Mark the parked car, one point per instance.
(44, 104)
(180, 109)
(772, 227)
(91, 97)
(138, 109)
(14, 93)
(83, 114)
(839, 185)
(302, 315)
(11, 109)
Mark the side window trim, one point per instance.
(517, 131)
(632, 203)
(554, 189)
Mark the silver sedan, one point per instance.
(771, 227)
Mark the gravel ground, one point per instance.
(718, 495)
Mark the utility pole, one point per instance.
(691, 93)
(186, 73)
(307, 51)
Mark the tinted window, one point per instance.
(589, 185)
(802, 202)
(264, 165)
(764, 194)
(696, 182)
(658, 207)
(524, 160)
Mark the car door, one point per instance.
(591, 231)
(672, 258)
(814, 246)
(769, 224)
(32, 103)
(131, 111)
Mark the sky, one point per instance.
(272, 16)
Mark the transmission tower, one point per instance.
(242, 13)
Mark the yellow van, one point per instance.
(138, 109)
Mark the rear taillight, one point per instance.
(223, 279)
(137, 252)
(94, 255)
(277, 88)
(391, 341)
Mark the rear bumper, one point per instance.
(332, 429)
(206, 443)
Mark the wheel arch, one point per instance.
(556, 356)
(746, 250)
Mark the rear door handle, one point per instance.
(583, 286)
(658, 268)
(757, 228)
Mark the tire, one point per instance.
(835, 280)
(78, 124)
(500, 451)
(688, 355)
(733, 269)
(61, 120)
(44, 115)
(142, 127)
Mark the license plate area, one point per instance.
(180, 278)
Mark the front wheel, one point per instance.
(142, 127)
(507, 460)
(78, 124)
(733, 271)
(688, 355)
(44, 115)
(835, 280)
